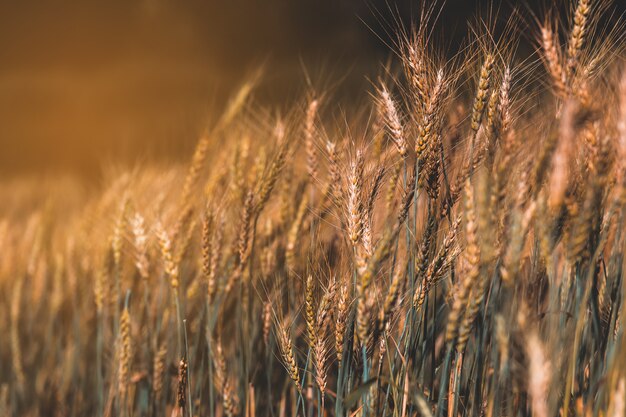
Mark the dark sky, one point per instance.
(87, 81)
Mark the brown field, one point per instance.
(452, 247)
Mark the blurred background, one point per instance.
(88, 83)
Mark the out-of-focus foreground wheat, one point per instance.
(458, 249)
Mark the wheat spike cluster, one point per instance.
(454, 247)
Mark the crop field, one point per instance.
(453, 247)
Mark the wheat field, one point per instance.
(455, 247)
